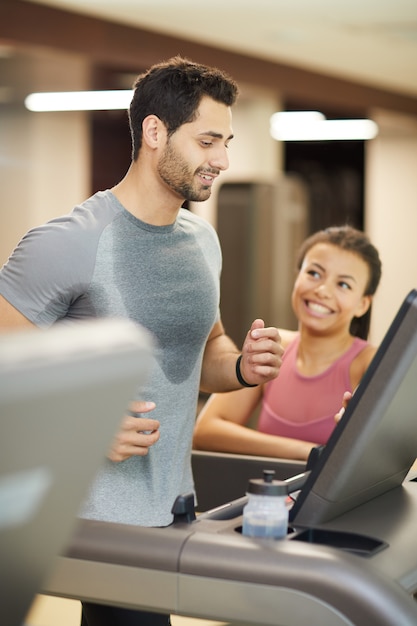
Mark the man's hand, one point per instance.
(136, 434)
(261, 354)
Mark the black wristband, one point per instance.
(239, 376)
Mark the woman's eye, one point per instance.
(313, 273)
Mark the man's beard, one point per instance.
(175, 173)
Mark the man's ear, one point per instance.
(153, 130)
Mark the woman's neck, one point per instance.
(316, 353)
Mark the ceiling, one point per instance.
(373, 42)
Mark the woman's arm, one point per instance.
(221, 427)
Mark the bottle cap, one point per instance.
(267, 486)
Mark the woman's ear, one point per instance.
(363, 306)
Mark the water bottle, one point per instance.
(266, 514)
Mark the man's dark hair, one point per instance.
(172, 90)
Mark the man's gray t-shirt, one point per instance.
(101, 261)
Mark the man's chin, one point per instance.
(202, 196)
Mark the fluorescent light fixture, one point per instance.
(313, 126)
(296, 117)
(79, 100)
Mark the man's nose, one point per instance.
(220, 159)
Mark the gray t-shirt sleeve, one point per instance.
(48, 271)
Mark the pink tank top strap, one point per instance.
(303, 407)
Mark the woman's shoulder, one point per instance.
(361, 363)
(365, 351)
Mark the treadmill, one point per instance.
(350, 556)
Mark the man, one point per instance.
(132, 251)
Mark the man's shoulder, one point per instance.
(98, 210)
(91, 215)
(197, 222)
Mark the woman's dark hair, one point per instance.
(172, 90)
(352, 240)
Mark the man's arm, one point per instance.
(11, 318)
(260, 362)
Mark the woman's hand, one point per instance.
(346, 398)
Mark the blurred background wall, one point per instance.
(273, 192)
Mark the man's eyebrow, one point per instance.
(212, 133)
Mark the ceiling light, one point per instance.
(313, 126)
(296, 117)
(79, 100)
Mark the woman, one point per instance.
(338, 273)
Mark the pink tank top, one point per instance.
(303, 407)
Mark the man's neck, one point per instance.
(146, 198)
